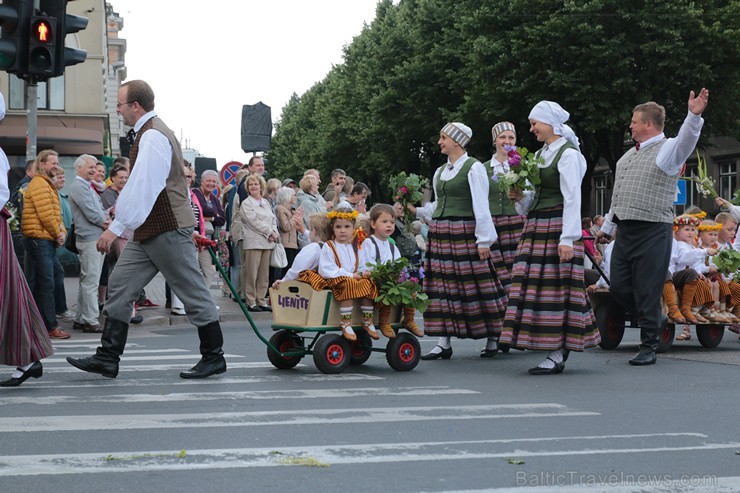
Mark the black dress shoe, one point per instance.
(205, 368)
(35, 371)
(265, 308)
(92, 329)
(488, 353)
(538, 370)
(137, 319)
(644, 358)
(444, 354)
(94, 365)
(253, 308)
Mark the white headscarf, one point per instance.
(553, 114)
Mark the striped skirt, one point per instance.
(734, 293)
(23, 335)
(343, 288)
(548, 306)
(703, 293)
(509, 229)
(468, 295)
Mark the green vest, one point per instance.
(548, 192)
(498, 201)
(454, 198)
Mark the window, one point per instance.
(50, 94)
(727, 178)
(600, 186)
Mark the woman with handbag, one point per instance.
(213, 217)
(260, 233)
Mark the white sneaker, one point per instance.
(178, 311)
(68, 316)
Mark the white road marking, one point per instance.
(334, 455)
(284, 418)
(246, 395)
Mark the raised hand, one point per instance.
(698, 104)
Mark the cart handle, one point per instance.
(593, 262)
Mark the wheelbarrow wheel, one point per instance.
(710, 335)
(331, 354)
(666, 337)
(610, 321)
(361, 349)
(403, 352)
(284, 341)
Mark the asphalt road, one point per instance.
(466, 424)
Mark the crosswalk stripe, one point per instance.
(245, 395)
(128, 351)
(169, 382)
(283, 418)
(628, 483)
(335, 455)
(125, 358)
(65, 367)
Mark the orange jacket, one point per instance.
(42, 214)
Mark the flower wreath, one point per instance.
(350, 216)
(686, 220)
(699, 215)
(710, 227)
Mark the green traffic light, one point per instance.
(41, 58)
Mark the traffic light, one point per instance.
(15, 18)
(65, 24)
(41, 47)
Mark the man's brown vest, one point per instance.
(172, 208)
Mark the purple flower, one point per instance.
(515, 160)
(509, 148)
(415, 280)
(421, 272)
(495, 178)
(404, 190)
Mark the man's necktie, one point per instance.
(637, 146)
(130, 136)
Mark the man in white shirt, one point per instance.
(642, 205)
(155, 205)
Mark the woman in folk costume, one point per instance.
(548, 306)
(24, 341)
(509, 223)
(465, 277)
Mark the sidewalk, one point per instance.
(160, 316)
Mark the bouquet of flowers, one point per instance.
(407, 189)
(523, 173)
(727, 261)
(13, 222)
(398, 285)
(704, 182)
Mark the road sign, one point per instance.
(228, 172)
(680, 192)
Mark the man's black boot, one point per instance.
(212, 360)
(105, 361)
(648, 346)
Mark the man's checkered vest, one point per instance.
(642, 191)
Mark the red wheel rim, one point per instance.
(334, 354)
(613, 330)
(285, 347)
(665, 336)
(357, 349)
(406, 352)
(715, 331)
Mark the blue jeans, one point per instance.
(43, 258)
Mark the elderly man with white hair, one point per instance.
(90, 220)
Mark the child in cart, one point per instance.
(694, 286)
(378, 249)
(339, 270)
(308, 256)
(725, 240)
(708, 239)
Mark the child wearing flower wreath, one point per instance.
(695, 289)
(377, 249)
(339, 267)
(307, 258)
(708, 239)
(725, 240)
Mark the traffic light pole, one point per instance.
(32, 101)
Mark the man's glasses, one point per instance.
(118, 105)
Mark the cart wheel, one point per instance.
(361, 349)
(610, 321)
(331, 354)
(403, 352)
(284, 340)
(710, 335)
(666, 338)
